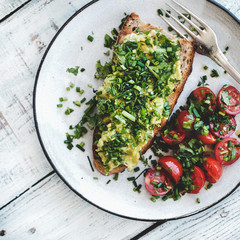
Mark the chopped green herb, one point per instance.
(214, 73)
(59, 105)
(136, 169)
(159, 11)
(69, 111)
(90, 38)
(82, 69)
(198, 200)
(107, 53)
(77, 103)
(115, 177)
(74, 71)
(63, 99)
(90, 85)
(205, 67)
(90, 163)
(95, 178)
(209, 186)
(108, 181)
(109, 42)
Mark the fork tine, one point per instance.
(177, 31)
(193, 15)
(183, 26)
(189, 21)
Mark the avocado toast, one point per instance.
(150, 70)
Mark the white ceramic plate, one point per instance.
(52, 79)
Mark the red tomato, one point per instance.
(207, 139)
(172, 166)
(173, 137)
(213, 170)
(226, 152)
(157, 182)
(185, 120)
(229, 100)
(206, 96)
(198, 179)
(223, 130)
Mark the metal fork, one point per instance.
(205, 41)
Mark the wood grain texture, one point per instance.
(9, 6)
(219, 222)
(24, 38)
(51, 210)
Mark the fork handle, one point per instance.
(222, 61)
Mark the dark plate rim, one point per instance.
(48, 157)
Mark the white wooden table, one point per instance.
(34, 202)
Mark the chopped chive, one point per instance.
(69, 111)
(115, 177)
(198, 200)
(129, 116)
(90, 163)
(83, 100)
(108, 181)
(68, 88)
(90, 38)
(131, 178)
(78, 89)
(61, 99)
(89, 85)
(95, 178)
(74, 71)
(80, 147)
(214, 73)
(136, 169)
(59, 105)
(205, 67)
(72, 85)
(81, 92)
(82, 69)
(77, 103)
(209, 186)
(159, 11)
(153, 199)
(107, 53)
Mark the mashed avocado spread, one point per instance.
(134, 97)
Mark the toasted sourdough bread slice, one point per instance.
(186, 56)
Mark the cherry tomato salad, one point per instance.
(206, 120)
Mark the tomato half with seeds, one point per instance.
(205, 97)
(157, 182)
(208, 139)
(223, 130)
(185, 120)
(213, 170)
(172, 166)
(198, 179)
(227, 151)
(173, 137)
(229, 100)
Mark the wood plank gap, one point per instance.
(14, 11)
(147, 230)
(40, 180)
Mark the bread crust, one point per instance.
(186, 55)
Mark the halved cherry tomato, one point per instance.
(172, 166)
(226, 151)
(185, 120)
(223, 130)
(205, 97)
(157, 182)
(207, 139)
(229, 100)
(198, 179)
(213, 170)
(173, 137)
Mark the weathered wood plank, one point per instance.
(51, 210)
(220, 222)
(9, 6)
(24, 38)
